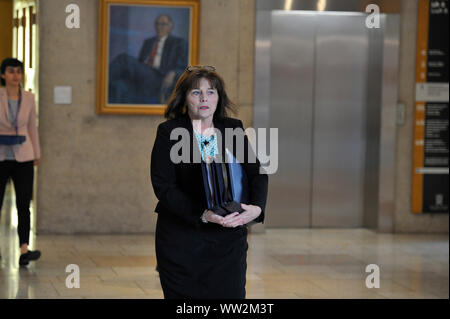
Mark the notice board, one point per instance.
(430, 160)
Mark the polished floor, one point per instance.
(282, 263)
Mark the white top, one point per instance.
(157, 61)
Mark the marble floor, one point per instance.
(282, 263)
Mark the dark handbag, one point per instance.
(12, 139)
(229, 184)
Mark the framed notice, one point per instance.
(143, 48)
(430, 162)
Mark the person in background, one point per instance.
(17, 157)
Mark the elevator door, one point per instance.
(341, 63)
(319, 65)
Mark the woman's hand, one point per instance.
(250, 213)
(212, 217)
(36, 162)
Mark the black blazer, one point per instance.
(179, 187)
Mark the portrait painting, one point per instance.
(144, 47)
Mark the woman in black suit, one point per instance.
(200, 254)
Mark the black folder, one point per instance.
(229, 183)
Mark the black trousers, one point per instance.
(22, 174)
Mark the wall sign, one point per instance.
(430, 162)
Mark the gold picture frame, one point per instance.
(143, 48)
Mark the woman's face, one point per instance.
(202, 101)
(12, 75)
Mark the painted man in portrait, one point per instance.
(151, 77)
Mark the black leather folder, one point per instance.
(229, 184)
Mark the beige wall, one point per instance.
(94, 173)
(405, 221)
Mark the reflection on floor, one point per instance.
(282, 263)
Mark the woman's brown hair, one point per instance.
(189, 80)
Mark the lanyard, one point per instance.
(16, 120)
(206, 145)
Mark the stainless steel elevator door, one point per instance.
(318, 89)
(290, 110)
(342, 43)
